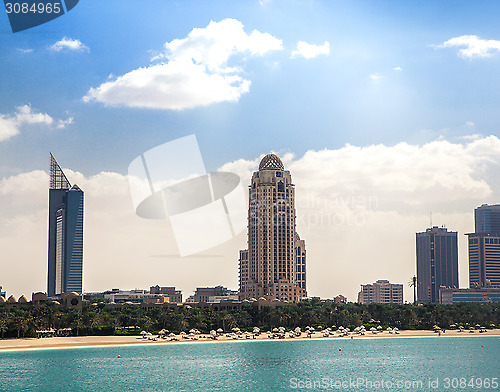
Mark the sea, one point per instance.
(378, 364)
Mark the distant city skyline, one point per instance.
(383, 112)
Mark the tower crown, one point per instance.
(271, 162)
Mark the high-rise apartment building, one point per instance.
(381, 292)
(274, 265)
(65, 258)
(437, 262)
(484, 248)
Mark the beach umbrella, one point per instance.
(256, 330)
(275, 330)
(379, 327)
(144, 333)
(297, 329)
(182, 333)
(220, 330)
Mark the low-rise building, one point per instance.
(170, 291)
(203, 294)
(382, 292)
(449, 296)
(137, 295)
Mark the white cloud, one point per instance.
(472, 46)
(69, 44)
(10, 124)
(358, 209)
(24, 50)
(474, 136)
(470, 123)
(398, 69)
(8, 127)
(310, 51)
(191, 72)
(375, 76)
(368, 203)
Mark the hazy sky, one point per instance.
(383, 111)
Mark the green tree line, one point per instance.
(98, 319)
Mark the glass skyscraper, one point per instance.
(65, 258)
(437, 262)
(487, 219)
(274, 265)
(484, 248)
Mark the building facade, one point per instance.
(174, 295)
(484, 248)
(65, 247)
(437, 262)
(479, 295)
(203, 294)
(135, 296)
(487, 219)
(484, 260)
(274, 264)
(381, 292)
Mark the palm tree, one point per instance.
(3, 326)
(413, 283)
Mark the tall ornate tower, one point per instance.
(274, 265)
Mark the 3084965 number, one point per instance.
(470, 383)
(35, 8)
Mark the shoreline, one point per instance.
(33, 344)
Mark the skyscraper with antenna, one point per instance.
(65, 248)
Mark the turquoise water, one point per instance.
(261, 366)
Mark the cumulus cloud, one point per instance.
(309, 51)
(358, 209)
(10, 124)
(375, 76)
(472, 46)
(69, 44)
(398, 69)
(190, 72)
(410, 174)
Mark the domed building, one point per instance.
(274, 265)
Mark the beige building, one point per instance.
(274, 265)
(381, 292)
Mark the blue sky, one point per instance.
(296, 105)
(393, 73)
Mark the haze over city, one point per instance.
(385, 115)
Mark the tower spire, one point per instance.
(58, 179)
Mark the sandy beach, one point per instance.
(92, 341)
